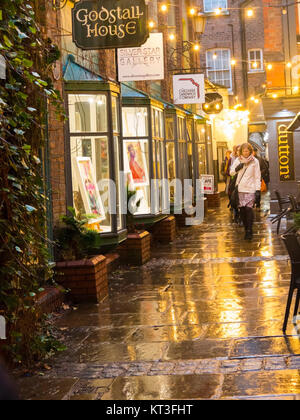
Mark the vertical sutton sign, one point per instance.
(286, 156)
(110, 24)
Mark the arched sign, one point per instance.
(110, 24)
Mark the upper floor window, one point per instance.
(255, 58)
(219, 67)
(212, 5)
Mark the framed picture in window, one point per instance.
(135, 161)
(89, 190)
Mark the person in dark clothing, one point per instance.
(265, 173)
(225, 169)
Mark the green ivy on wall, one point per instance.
(25, 95)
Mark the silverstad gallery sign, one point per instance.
(100, 24)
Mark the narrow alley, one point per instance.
(202, 320)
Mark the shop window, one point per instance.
(190, 160)
(135, 122)
(154, 159)
(200, 133)
(157, 123)
(181, 130)
(190, 129)
(136, 166)
(118, 189)
(115, 114)
(202, 159)
(171, 166)
(90, 175)
(88, 113)
(170, 132)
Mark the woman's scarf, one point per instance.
(248, 160)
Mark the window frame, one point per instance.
(208, 71)
(261, 60)
(94, 89)
(207, 10)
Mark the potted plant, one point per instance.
(137, 249)
(79, 266)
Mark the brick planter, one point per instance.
(181, 218)
(137, 249)
(165, 231)
(87, 279)
(213, 200)
(50, 300)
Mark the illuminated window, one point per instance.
(212, 5)
(255, 60)
(219, 67)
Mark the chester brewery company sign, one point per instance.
(101, 24)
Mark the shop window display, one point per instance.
(90, 159)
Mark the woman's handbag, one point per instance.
(235, 199)
(263, 186)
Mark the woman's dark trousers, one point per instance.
(247, 217)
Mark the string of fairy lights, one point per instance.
(249, 12)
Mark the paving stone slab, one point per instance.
(164, 387)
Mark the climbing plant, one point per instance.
(25, 95)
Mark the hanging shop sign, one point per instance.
(189, 89)
(286, 156)
(109, 24)
(143, 63)
(208, 184)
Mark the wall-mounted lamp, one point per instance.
(59, 4)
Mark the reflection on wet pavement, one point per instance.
(202, 320)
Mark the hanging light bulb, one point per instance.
(250, 12)
(269, 66)
(164, 8)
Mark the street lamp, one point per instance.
(199, 24)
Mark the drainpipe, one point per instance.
(244, 47)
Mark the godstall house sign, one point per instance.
(110, 24)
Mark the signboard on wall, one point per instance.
(142, 63)
(109, 24)
(286, 155)
(189, 89)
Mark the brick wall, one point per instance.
(274, 43)
(225, 32)
(56, 127)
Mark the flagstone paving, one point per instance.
(202, 320)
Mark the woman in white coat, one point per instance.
(249, 185)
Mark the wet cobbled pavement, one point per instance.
(202, 320)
